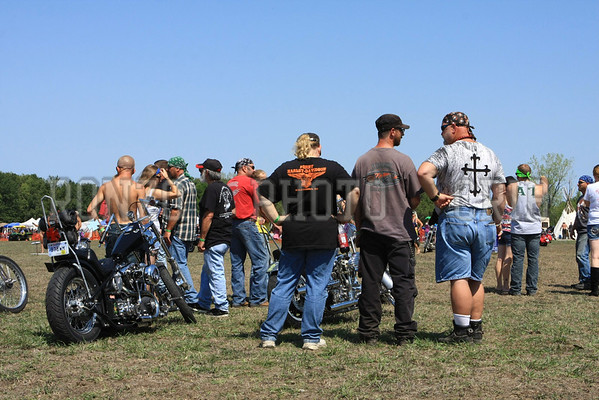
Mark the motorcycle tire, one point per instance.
(13, 286)
(177, 295)
(296, 308)
(67, 315)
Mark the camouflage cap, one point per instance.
(458, 118)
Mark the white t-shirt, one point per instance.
(467, 170)
(592, 196)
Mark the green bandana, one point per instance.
(521, 174)
(179, 162)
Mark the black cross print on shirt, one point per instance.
(466, 169)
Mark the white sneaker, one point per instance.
(314, 346)
(268, 344)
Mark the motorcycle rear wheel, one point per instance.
(177, 295)
(68, 308)
(13, 286)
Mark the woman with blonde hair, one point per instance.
(149, 178)
(307, 187)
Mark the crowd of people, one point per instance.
(474, 201)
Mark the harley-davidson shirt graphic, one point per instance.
(306, 174)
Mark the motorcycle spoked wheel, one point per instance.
(177, 295)
(13, 286)
(68, 314)
(296, 308)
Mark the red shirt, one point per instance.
(245, 196)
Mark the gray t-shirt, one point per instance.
(466, 171)
(387, 179)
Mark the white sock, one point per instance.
(475, 320)
(461, 320)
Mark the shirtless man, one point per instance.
(121, 194)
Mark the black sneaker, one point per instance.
(459, 335)
(371, 341)
(198, 308)
(477, 331)
(215, 312)
(403, 340)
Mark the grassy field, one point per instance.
(542, 347)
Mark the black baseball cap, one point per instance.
(387, 121)
(211, 164)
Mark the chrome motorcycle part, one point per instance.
(152, 275)
(13, 286)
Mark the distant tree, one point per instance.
(558, 169)
(425, 208)
(20, 196)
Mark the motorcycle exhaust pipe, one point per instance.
(387, 282)
(345, 304)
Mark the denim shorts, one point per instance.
(465, 238)
(593, 232)
(505, 239)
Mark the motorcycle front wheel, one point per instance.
(13, 286)
(177, 295)
(69, 310)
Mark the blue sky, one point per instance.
(84, 82)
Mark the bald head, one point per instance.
(126, 162)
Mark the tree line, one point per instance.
(20, 195)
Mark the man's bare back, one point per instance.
(121, 193)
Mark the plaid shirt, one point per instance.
(185, 229)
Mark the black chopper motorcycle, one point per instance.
(86, 295)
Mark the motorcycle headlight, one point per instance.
(151, 274)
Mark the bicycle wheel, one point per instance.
(13, 286)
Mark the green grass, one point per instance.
(543, 347)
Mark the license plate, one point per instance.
(58, 249)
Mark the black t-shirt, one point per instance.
(218, 199)
(308, 189)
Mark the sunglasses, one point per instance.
(444, 126)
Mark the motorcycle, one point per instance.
(13, 286)
(86, 295)
(344, 287)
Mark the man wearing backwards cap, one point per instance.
(525, 197)
(180, 221)
(582, 238)
(246, 239)
(466, 173)
(216, 214)
(389, 191)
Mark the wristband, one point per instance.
(433, 199)
(202, 240)
(277, 219)
(168, 230)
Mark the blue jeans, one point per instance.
(531, 244)
(246, 239)
(582, 257)
(317, 265)
(213, 286)
(179, 250)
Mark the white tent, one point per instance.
(568, 216)
(31, 223)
